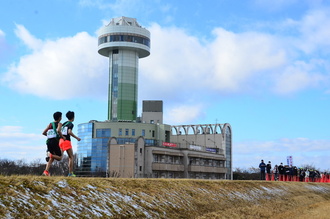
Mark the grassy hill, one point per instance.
(63, 197)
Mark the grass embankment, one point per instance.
(63, 197)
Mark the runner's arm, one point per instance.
(59, 128)
(45, 131)
(73, 135)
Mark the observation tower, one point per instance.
(124, 41)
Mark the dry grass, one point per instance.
(62, 197)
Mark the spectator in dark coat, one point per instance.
(268, 169)
(262, 167)
(281, 171)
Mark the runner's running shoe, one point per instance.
(72, 175)
(46, 173)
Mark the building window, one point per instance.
(143, 132)
(126, 132)
(120, 132)
(141, 150)
(103, 133)
(156, 158)
(124, 37)
(140, 168)
(162, 159)
(133, 132)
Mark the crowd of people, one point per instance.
(290, 173)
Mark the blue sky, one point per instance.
(262, 66)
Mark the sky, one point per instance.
(261, 66)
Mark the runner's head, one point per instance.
(70, 115)
(57, 116)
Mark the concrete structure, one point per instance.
(128, 146)
(152, 111)
(124, 41)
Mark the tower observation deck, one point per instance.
(124, 41)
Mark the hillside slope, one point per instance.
(63, 197)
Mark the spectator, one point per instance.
(301, 174)
(268, 169)
(262, 167)
(281, 171)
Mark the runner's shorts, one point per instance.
(65, 144)
(53, 147)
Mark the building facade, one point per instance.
(139, 150)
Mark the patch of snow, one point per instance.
(91, 187)
(62, 183)
(317, 188)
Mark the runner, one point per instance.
(53, 133)
(65, 144)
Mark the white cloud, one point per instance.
(297, 77)
(315, 31)
(181, 66)
(239, 58)
(232, 62)
(59, 69)
(17, 145)
(183, 113)
(2, 34)
(174, 66)
(29, 40)
(7, 133)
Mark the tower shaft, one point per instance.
(123, 41)
(123, 85)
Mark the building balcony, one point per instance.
(206, 169)
(167, 167)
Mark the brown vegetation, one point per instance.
(63, 197)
